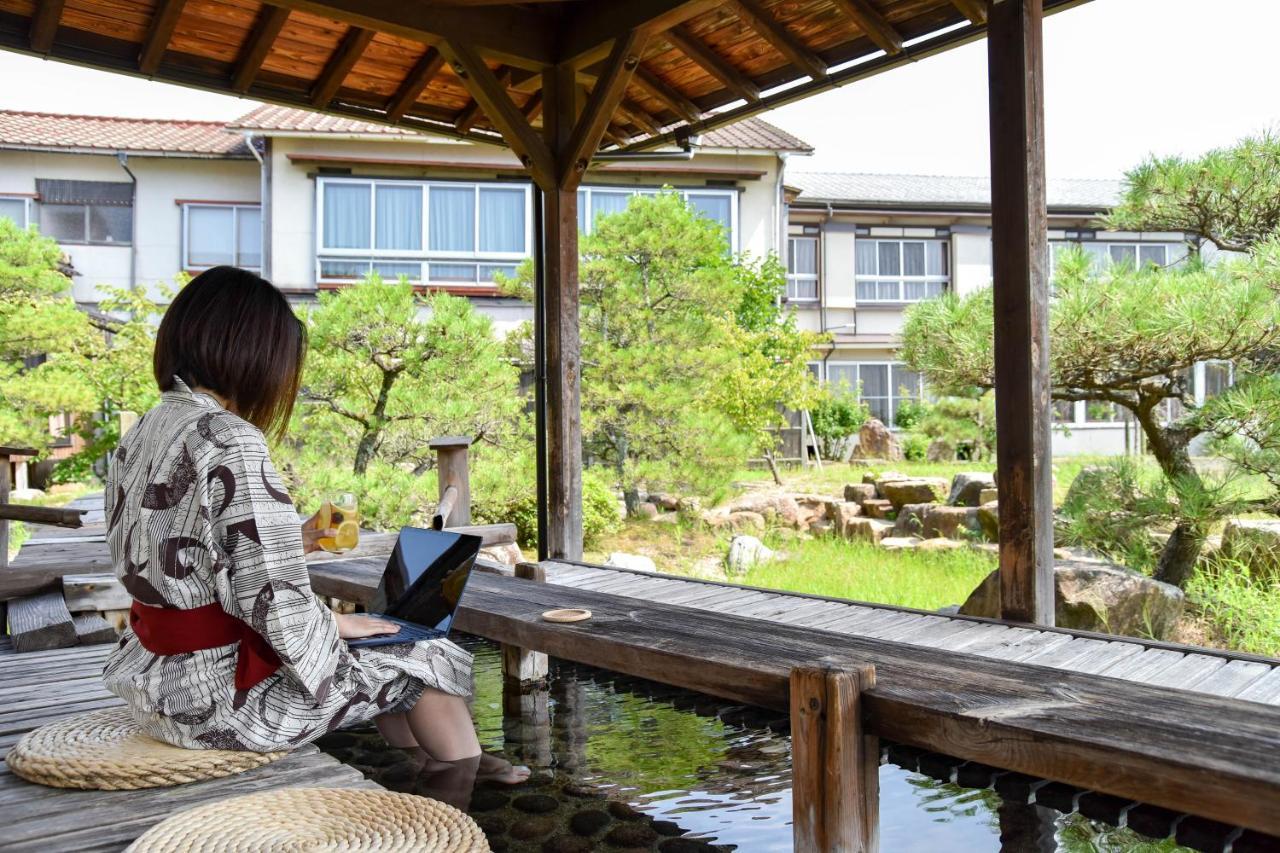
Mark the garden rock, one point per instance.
(967, 488)
(782, 510)
(951, 522)
(745, 520)
(841, 515)
(986, 496)
(940, 450)
(636, 562)
(822, 526)
(920, 490)
(508, 554)
(886, 477)
(875, 441)
(939, 545)
(899, 543)
(989, 520)
(1100, 597)
(869, 529)
(745, 553)
(1255, 543)
(878, 508)
(668, 503)
(910, 521)
(1092, 479)
(859, 492)
(647, 510)
(689, 506)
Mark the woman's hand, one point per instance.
(312, 533)
(355, 626)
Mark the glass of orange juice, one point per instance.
(341, 514)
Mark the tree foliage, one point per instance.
(388, 370)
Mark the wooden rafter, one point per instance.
(605, 97)
(589, 34)
(511, 34)
(533, 107)
(417, 80)
(974, 10)
(492, 96)
(656, 88)
(638, 116)
(44, 25)
(471, 113)
(758, 18)
(873, 24)
(711, 62)
(163, 22)
(344, 58)
(257, 46)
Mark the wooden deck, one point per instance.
(42, 686)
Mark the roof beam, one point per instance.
(775, 32)
(605, 98)
(872, 24)
(471, 113)
(344, 58)
(417, 80)
(689, 44)
(512, 35)
(533, 107)
(257, 46)
(588, 34)
(638, 116)
(492, 96)
(655, 87)
(974, 10)
(163, 22)
(44, 24)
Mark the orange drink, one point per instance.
(342, 515)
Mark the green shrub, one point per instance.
(966, 423)
(915, 446)
(389, 497)
(1244, 610)
(1112, 508)
(838, 416)
(600, 514)
(909, 413)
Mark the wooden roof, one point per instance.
(700, 63)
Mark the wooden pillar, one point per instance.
(454, 508)
(1021, 288)
(522, 665)
(526, 723)
(835, 764)
(4, 499)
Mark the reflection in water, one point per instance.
(624, 763)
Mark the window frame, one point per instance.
(28, 203)
(424, 256)
(893, 398)
(793, 278)
(1137, 246)
(901, 278)
(586, 213)
(87, 207)
(236, 207)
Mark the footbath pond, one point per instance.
(628, 764)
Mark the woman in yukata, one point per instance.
(228, 647)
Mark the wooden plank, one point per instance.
(1021, 292)
(1041, 642)
(1232, 679)
(656, 88)
(1178, 749)
(1105, 658)
(872, 24)
(1187, 671)
(414, 83)
(974, 10)
(44, 28)
(94, 592)
(711, 62)
(344, 58)
(754, 15)
(1064, 655)
(41, 622)
(56, 515)
(835, 764)
(92, 629)
(1266, 689)
(525, 665)
(164, 20)
(1142, 666)
(256, 47)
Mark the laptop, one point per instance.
(422, 585)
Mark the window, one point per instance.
(16, 208)
(216, 234)
(429, 231)
(900, 270)
(718, 205)
(883, 386)
(1105, 253)
(96, 212)
(802, 268)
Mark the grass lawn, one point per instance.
(863, 572)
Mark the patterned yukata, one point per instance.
(196, 515)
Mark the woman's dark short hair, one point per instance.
(233, 333)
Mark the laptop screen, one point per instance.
(425, 576)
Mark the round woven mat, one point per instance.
(105, 750)
(305, 819)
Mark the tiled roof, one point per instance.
(107, 133)
(941, 190)
(752, 134)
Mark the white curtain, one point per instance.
(605, 203)
(211, 236)
(248, 237)
(502, 214)
(714, 207)
(399, 218)
(347, 222)
(453, 219)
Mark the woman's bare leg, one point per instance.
(395, 731)
(441, 724)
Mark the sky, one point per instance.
(1123, 79)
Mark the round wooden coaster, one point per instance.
(568, 614)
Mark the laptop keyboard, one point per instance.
(408, 633)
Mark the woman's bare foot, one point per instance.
(495, 769)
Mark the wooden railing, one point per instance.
(19, 512)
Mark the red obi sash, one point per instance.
(166, 631)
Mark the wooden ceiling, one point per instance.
(691, 64)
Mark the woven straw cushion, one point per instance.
(300, 819)
(105, 750)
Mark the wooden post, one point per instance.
(1021, 290)
(522, 665)
(835, 764)
(526, 722)
(4, 499)
(454, 510)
